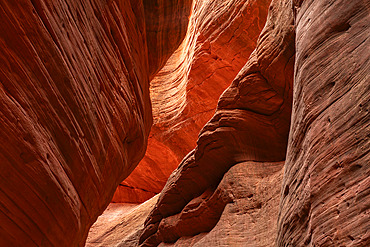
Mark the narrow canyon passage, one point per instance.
(247, 122)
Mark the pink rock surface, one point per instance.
(243, 209)
(326, 200)
(120, 225)
(250, 196)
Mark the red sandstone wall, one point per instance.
(251, 123)
(75, 111)
(325, 200)
(220, 37)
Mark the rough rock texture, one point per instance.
(326, 200)
(120, 225)
(220, 37)
(74, 108)
(248, 197)
(325, 192)
(251, 123)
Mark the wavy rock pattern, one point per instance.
(251, 123)
(247, 197)
(220, 37)
(325, 191)
(326, 200)
(75, 111)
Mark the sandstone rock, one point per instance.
(251, 123)
(120, 224)
(326, 200)
(247, 197)
(250, 193)
(220, 37)
(75, 111)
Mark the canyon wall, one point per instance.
(326, 188)
(75, 111)
(220, 37)
(251, 123)
(284, 160)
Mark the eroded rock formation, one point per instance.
(325, 191)
(247, 197)
(251, 123)
(326, 199)
(75, 111)
(220, 37)
(75, 114)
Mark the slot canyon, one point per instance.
(184, 123)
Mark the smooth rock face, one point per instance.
(75, 115)
(326, 200)
(251, 123)
(120, 225)
(75, 111)
(220, 37)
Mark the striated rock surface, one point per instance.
(75, 116)
(220, 37)
(75, 111)
(247, 197)
(251, 123)
(120, 225)
(326, 199)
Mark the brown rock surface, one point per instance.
(75, 112)
(221, 36)
(251, 123)
(326, 199)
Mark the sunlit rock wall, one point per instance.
(220, 37)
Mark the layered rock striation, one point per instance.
(325, 189)
(75, 111)
(283, 161)
(220, 37)
(326, 195)
(251, 123)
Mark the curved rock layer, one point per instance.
(247, 197)
(75, 111)
(326, 199)
(251, 123)
(325, 191)
(220, 37)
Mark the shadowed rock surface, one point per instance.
(326, 200)
(75, 111)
